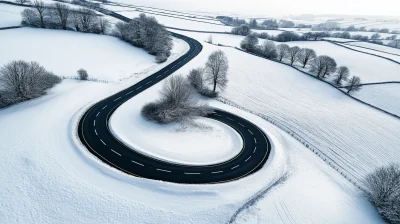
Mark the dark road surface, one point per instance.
(94, 133)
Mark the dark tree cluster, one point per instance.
(147, 33)
(61, 16)
(208, 80)
(321, 66)
(177, 103)
(242, 30)
(21, 81)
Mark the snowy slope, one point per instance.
(104, 57)
(385, 96)
(367, 67)
(10, 15)
(376, 47)
(322, 115)
(375, 52)
(181, 23)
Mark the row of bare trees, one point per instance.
(321, 66)
(21, 81)
(178, 101)
(61, 16)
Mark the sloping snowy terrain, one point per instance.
(384, 96)
(367, 67)
(10, 15)
(65, 52)
(376, 47)
(375, 52)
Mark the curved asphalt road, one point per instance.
(95, 135)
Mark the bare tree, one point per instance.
(342, 74)
(83, 75)
(30, 18)
(353, 84)
(292, 54)
(318, 66)
(330, 66)
(282, 50)
(375, 36)
(23, 80)
(104, 25)
(75, 20)
(177, 103)
(41, 10)
(383, 191)
(305, 56)
(216, 70)
(196, 78)
(268, 50)
(62, 12)
(249, 43)
(86, 19)
(395, 43)
(243, 30)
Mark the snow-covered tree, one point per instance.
(217, 69)
(242, 30)
(83, 75)
(383, 191)
(342, 74)
(282, 51)
(292, 54)
(323, 66)
(104, 25)
(305, 56)
(268, 50)
(375, 36)
(62, 13)
(249, 43)
(353, 84)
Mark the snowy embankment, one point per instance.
(65, 52)
(10, 15)
(384, 96)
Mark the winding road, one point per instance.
(94, 133)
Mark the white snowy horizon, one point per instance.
(279, 8)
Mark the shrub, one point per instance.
(21, 81)
(383, 191)
(176, 103)
(83, 75)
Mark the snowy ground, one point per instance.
(182, 23)
(338, 39)
(10, 15)
(104, 57)
(376, 47)
(203, 142)
(385, 96)
(376, 52)
(367, 67)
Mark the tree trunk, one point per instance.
(215, 85)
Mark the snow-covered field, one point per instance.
(203, 142)
(182, 23)
(338, 39)
(384, 96)
(376, 52)
(10, 15)
(367, 67)
(65, 52)
(376, 47)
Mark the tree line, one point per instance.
(267, 24)
(21, 81)
(321, 67)
(144, 32)
(334, 26)
(178, 101)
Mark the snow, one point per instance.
(203, 142)
(385, 96)
(49, 177)
(338, 39)
(367, 67)
(376, 47)
(182, 23)
(376, 52)
(104, 57)
(322, 115)
(10, 15)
